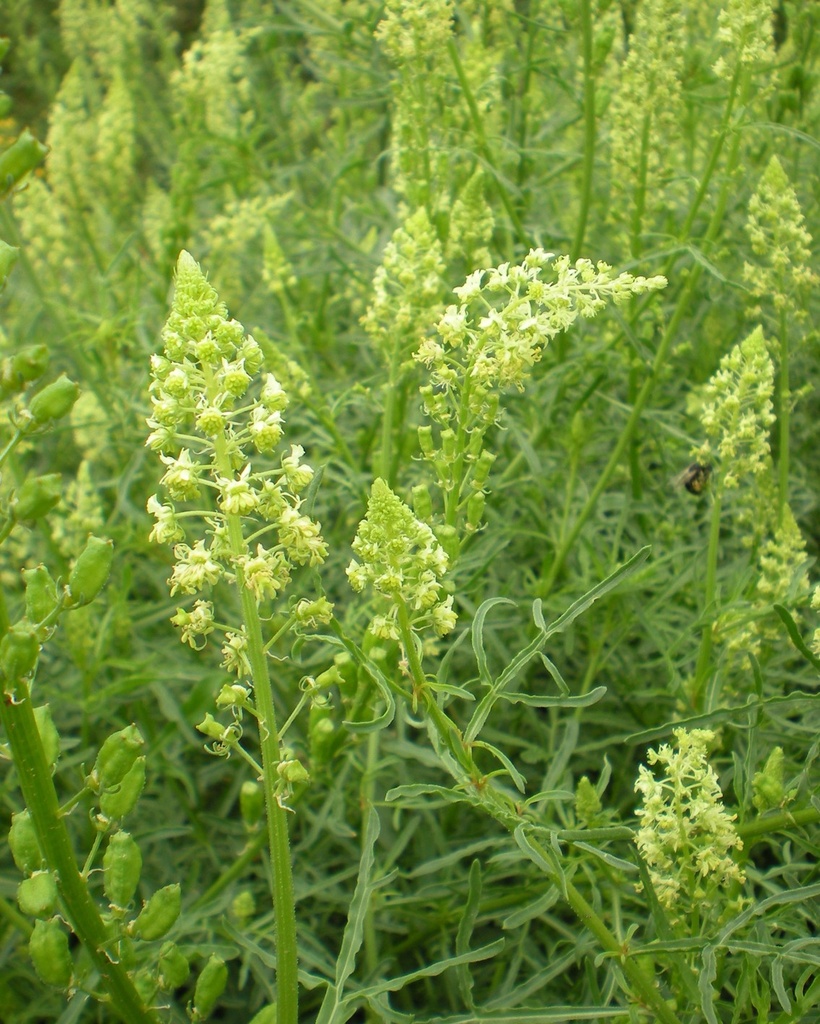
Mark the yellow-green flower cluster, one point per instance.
(471, 223)
(407, 285)
(647, 107)
(778, 233)
(686, 835)
(506, 318)
(745, 27)
(415, 35)
(401, 559)
(737, 411)
(209, 416)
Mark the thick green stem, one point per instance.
(589, 129)
(81, 911)
(705, 653)
(287, 987)
(771, 823)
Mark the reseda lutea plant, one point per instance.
(212, 425)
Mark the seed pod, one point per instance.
(37, 895)
(116, 758)
(251, 803)
(448, 444)
(422, 503)
(173, 967)
(37, 497)
(41, 593)
(49, 736)
(482, 468)
(21, 157)
(426, 441)
(209, 987)
(122, 865)
(54, 401)
(28, 364)
(475, 510)
(121, 800)
(159, 913)
(19, 650)
(321, 733)
(23, 843)
(448, 538)
(267, 1015)
(90, 572)
(48, 949)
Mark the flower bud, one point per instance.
(159, 913)
(37, 895)
(122, 865)
(251, 803)
(116, 758)
(768, 784)
(173, 967)
(54, 401)
(37, 497)
(587, 801)
(49, 737)
(292, 771)
(25, 849)
(48, 949)
(41, 593)
(209, 987)
(115, 803)
(19, 650)
(90, 572)
(243, 907)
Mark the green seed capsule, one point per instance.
(48, 949)
(116, 758)
(41, 593)
(116, 803)
(23, 843)
(267, 1015)
(475, 510)
(173, 967)
(209, 987)
(122, 865)
(251, 803)
(37, 497)
(28, 364)
(21, 157)
(90, 572)
(19, 650)
(54, 401)
(422, 503)
(37, 896)
(49, 736)
(159, 913)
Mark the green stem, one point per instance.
(284, 906)
(236, 870)
(385, 460)
(34, 775)
(705, 653)
(640, 190)
(768, 825)
(589, 129)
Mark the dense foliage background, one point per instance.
(283, 145)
